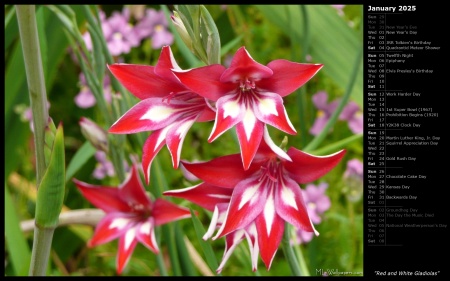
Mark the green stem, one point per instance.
(29, 37)
(301, 96)
(41, 250)
(26, 18)
(289, 253)
(320, 137)
(302, 260)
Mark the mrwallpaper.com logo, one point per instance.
(336, 272)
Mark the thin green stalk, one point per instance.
(302, 260)
(159, 257)
(301, 94)
(39, 261)
(331, 148)
(289, 253)
(320, 137)
(36, 83)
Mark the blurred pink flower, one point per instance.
(85, 98)
(104, 167)
(317, 202)
(351, 113)
(339, 9)
(119, 33)
(154, 25)
(354, 178)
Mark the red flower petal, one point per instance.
(111, 226)
(247, 202)
(142, 81)
(232, 240)
(270, 228)
(224, 171)
(205, 81)
(175, 138)
(105, 198)
(132, 191)
(243, 66)
(148, 115)
(205, 195)
(152, 146)
(166, 63)
(288, 76)
(229, 112)
(250, 132)
(165, 211)
(306, 168)
(269, 109)
(291, 206)
(146, 235)
(127, 243)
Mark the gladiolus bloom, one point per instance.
(248, 95)
(131, 216)
(257, 202)
(167, 107)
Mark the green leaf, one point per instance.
(83, 154)
(50, 194)
(211, 42)
(187, 267)
(11, 27)
(206, 247)
(334, 147)
(18, 250)
(230, 45)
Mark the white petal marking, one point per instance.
(269, 213)
(267, 106)
(129, 237)
(249, 122)
(231, 108)
(145, 228)
(184, 128)
(119, 223)
(288, 197)
(219, 196)
(158, 113)
(248, 194)
(162, 136)
(212, 225)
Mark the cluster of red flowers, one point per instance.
(252, 194)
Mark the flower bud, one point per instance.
(94, 134)
(181, 29)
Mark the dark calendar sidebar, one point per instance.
(406, 166)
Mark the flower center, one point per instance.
(117, 36)
(159, 28)
(247, 85)
(269, 171)
(312, 206)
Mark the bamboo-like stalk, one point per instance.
(50, 184)
(36, 83)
